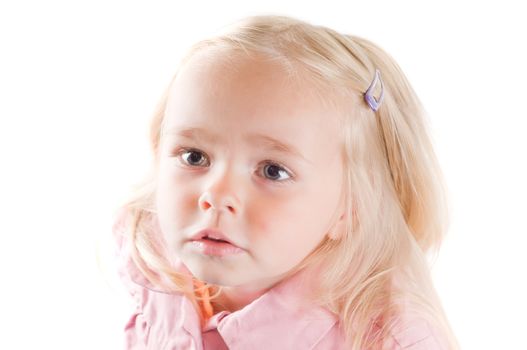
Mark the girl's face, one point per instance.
(249, 154)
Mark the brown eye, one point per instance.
(273, 172)
(193, 157)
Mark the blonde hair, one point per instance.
(395, 198)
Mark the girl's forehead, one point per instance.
(214, 73)
(255, 89)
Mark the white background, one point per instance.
(78, 84)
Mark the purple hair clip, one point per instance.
(368, 95)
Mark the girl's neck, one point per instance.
(233, 299)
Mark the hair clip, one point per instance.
(368, 95)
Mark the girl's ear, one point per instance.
(338, 229)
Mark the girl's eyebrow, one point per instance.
(262, 140)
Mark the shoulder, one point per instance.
(410, 333)
(415, 333)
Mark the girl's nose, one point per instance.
(220, 195)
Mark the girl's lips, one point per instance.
(213, 234)
(213, 242)
(215, 248)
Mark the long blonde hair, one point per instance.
(395, 198)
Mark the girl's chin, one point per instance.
(215, 271)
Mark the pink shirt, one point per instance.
(276, 320)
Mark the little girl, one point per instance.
(293, 198)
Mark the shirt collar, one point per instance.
(280, 318)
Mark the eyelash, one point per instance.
(281, 169)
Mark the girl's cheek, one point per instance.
(269, 214)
